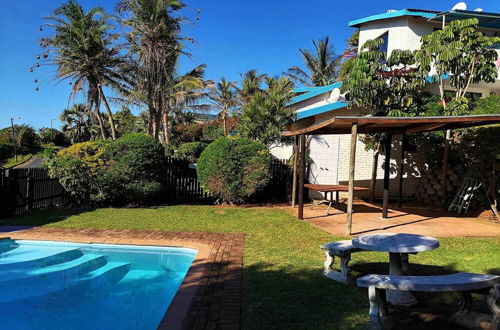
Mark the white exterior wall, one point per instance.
(403, 32)
(330, 153)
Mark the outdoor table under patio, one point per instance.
(398, 246)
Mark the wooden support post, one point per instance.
(295, 166)
(401, 170)
(444, 181)
(352, 163)
(302, 170)
(387, 166)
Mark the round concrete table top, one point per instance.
(396, 243)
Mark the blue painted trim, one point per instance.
(304, 89)
(317, 91)
(433, 79)
(399, 13)
(301, 114)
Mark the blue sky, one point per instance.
(233, 36)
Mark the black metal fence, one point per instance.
(22, 190)
(25, 189)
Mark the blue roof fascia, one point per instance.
(398, 13)
(304, 89)
(317, 91)
(433, 79)
(301, 114)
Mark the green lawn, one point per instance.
(9, 162)
(283, 284)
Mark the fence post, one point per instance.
(29, 204)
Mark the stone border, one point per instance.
(210, 294)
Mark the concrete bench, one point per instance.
(342, 250)
(459, 282)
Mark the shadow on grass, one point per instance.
(43, 217)
(305, 299)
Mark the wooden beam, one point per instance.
(387, 166)
(401, 170)
(444, 181)
(423, 128)
(295, 166)
(352, 163)
(302, 173)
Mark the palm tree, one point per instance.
(184, 91)
(154, 41)
(77, 125)
(323, 65)
(82, 51)
(224, 98)
(250, 84)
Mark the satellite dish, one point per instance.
(334, 95)
(460, 6)
(478, 9)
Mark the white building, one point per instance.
(400, 29)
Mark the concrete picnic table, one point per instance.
(398, 246)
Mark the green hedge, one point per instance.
(190, 151)
(233, 169)
(135, 170)
(6, 150)
(129, 171)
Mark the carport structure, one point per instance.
(390, 125)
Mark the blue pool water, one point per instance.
(58, 285)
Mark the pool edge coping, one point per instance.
(208, 245)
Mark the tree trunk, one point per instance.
(99, 119)
(224, 124)
(110, 114)
(165, 121)
(444, 181)
(373, 182)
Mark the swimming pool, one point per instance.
(60, 285)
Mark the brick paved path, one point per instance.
(210, 295)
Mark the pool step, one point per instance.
(27, 257)
(84, 264)
(112, 272)
(95, 271)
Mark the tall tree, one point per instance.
(154, 39)
(224, 98)
(461, 55)
(183, 91)
(265, 114)
(383, 85)
(77, 125)
(322, 65)
(82, 49)
(251, 83)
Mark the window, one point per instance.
(473, 96)
(385, 39)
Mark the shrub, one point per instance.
(52, 135)
(234, 168)
(134, 171)
(26, 137)
(6, 150)
(77, 168)
(128, 171)
(190, 151)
